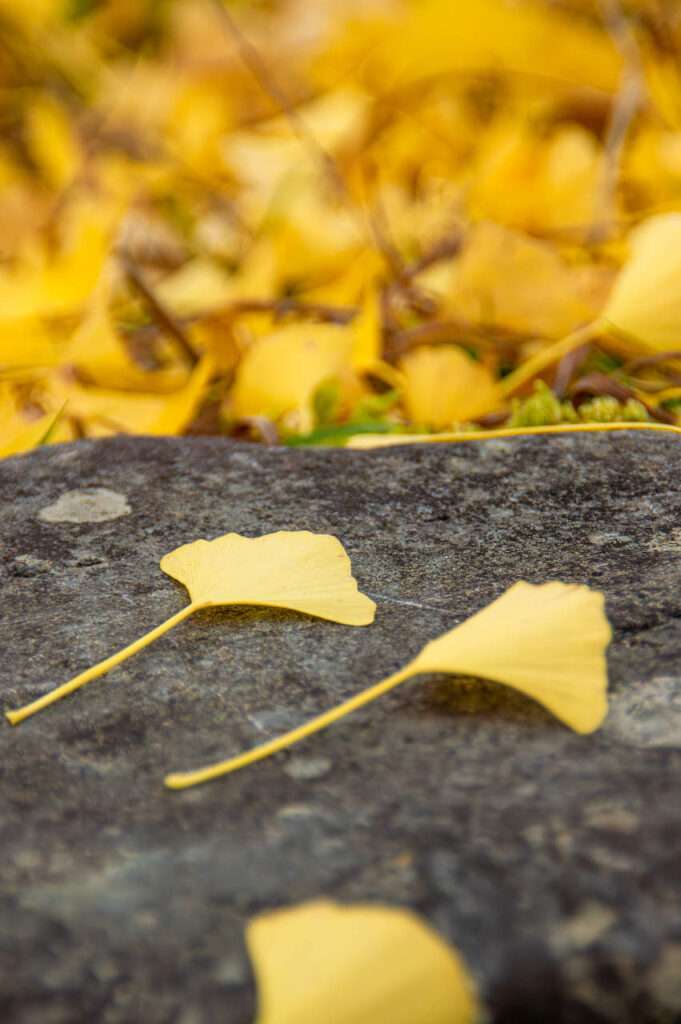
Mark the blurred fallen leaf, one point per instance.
(443, 385)
(356, 964)
(314, 195)
(280, 372)
(449, 35)
(645, 303)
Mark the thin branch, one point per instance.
(659, 357)
(432, 333)
(272, 88)
(165, 320)
(279, 308)
(405, 276)
(566, 367)
(626, 104)
(285, 307)
(444, 249)
(599, 384)
(265, 429)
(437, 332)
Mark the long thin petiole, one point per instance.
(551, 354)
(99, 669)
(181, 780)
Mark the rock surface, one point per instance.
(549, 859)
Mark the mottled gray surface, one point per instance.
(551, 860)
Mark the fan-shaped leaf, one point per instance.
(307, 572)
(546, 641)
(321, 962)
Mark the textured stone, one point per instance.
(549, 859)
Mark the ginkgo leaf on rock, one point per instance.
(307, 572)
(547, 641)
(357, 964)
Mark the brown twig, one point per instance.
(434, 332)
(261, 426)
(437, 332)
(273, 89)
(444, 249)
(165, 320)
(566, 367)
(285, 307)
(279, 308)
(643, 361)
(626, 105)
(599, 384)
(492, 419)
(405, 282)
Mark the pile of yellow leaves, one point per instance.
(304, 220)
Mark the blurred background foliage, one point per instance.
(297, 220)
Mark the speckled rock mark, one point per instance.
(95, 505)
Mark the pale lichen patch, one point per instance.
(95, 505)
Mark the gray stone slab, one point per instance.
(550, 859)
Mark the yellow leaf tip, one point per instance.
(175, 780)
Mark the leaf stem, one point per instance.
(99, 669)
(551, 354)
(362, 441)
(182, 780)
(161, 315)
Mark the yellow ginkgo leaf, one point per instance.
(366, 333)
(442, 386)
(527, 181)
(51, 142)
(61, 287)
(308, 572)
(16, 432)
(16, 439)
(451, 35)
(98, 349)
(646, 300)
(357, 964)
(547, 641)
(280, 372)
(26, 344)
(198, 285)
(105, 411)
(506, 279)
